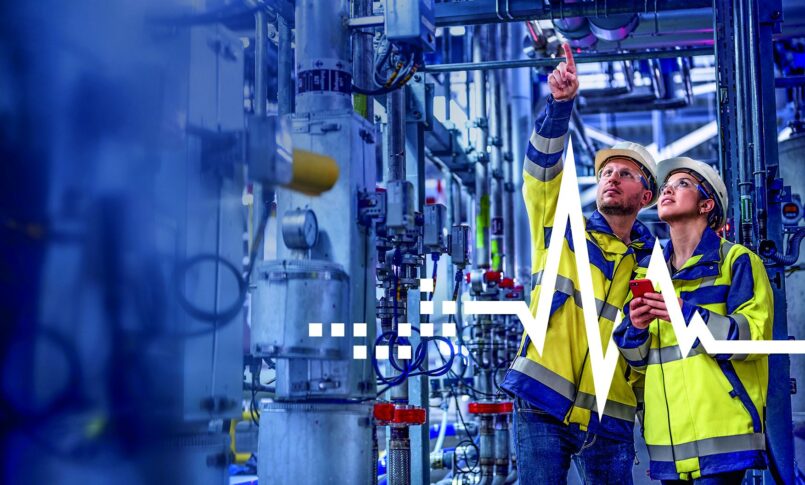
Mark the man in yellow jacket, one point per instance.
(703, 413)
(556, 417)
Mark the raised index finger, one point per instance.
(571, 64)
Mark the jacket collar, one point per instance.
(708, 249)
(640, 236)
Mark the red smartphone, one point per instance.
(641, 287)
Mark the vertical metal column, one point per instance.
(395, 109)
(362, 50)
(418, 385)
(325, 50)
(519, 97)
(510, 257)
(496, 156)
(284, 67)
(481, 259)
(260, 41)
(748, 158)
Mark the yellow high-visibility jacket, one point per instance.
(559, 382)
(704, 414)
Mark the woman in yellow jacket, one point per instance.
(704, 414)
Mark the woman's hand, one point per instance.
(640, 313)
(656, 306)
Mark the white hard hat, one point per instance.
(639, 155)
(713, 185)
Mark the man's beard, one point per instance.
(626, 208)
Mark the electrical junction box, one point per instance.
(411, 22)
(435, 234)
(400, 205)
(458, 246)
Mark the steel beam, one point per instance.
(475, 12)
(552, 61)
(744, 32)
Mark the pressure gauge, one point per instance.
(300, 229)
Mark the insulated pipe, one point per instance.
(501, 449)
(509, 256)
(486, 445)
(395, 108)
(496, 158)
(362, 53)
(447, 89)
(260, 40)
(482, 160)
(519, 98)
(322, 44)
(284, 68)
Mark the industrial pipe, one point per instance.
(260, 41)
(322, 44)
(284, 67)
(486, 445)
(496, 160)
(585, 59)
(395, 109)
(482, 161)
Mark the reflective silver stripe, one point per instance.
(669, 354)
(548, 146)
(545, 376)
(724, 250)
(664, 355)
(708, 281)
(636, 354)
(541, 173)
(719, 326)
(566, 286)
(613, 409)
(707, 447)
(605, 310)
(744, 333)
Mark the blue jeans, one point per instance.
(730, 478)
(546, 445)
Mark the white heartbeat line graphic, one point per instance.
(603, 364)
(360, 352)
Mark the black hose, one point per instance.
(220, 317)
(792, 255)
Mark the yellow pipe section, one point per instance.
(240, 458)
(313, 173)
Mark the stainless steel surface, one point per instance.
(322, 51)
(315, 443)
(280, 323)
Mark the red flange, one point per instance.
(387, 413)
(490, 276)
(409, 415)
(490, 407)
(507, 283)
(384, 411)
